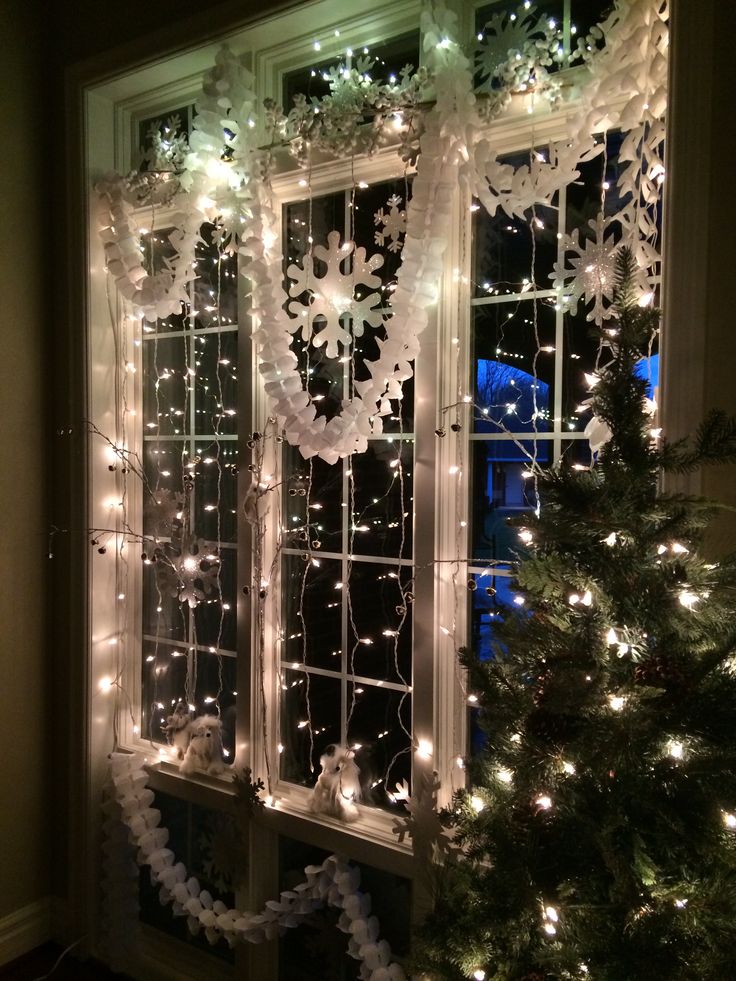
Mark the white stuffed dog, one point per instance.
(177, 729)
(204, 752)
(337, 790)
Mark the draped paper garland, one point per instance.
(334, 882)
(428, 214)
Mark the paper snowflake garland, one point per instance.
(591, 274)
(335, 312)
(393, 222)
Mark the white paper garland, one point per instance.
(428, 215)
(334, 882)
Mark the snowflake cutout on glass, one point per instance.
(334, 304)
(592, 277)
(167, 145)
(393, 222)
(163, 515)
(509, 37)
(191, 574)
(223, 850)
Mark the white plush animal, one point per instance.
(177, 729)
(204, 752)
(337, 790)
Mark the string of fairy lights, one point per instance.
(165, 373)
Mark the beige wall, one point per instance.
(23, 321)
(699, 342)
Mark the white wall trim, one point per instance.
(24, 929)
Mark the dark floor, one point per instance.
(38, 964)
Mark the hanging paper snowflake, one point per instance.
(335, 311)
(393, 222)
(223, 850)
(505, 33)
(422, 822)
(163, 513)
(592, 277)
(189, 575)
(598, 433)
(515, 47)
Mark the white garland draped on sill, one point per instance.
(626, 89)
(334, 883)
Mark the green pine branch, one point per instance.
(713, 443)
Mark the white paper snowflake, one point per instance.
(591, 273)
(393, 222)
(224, 856)
(421, 822)
(163, 512)
(335, 312)
(507, 35)
(189, 575)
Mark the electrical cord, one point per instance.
(59, 959)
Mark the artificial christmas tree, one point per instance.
(598, 833)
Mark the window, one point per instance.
(346, 545)
(301, 602)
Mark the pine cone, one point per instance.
(659, 672)
(534, 975)
(554, 726)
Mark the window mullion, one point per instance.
(559, 329)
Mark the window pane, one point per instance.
(215, 293)
(316, 487)
(215, 491)
(156, 249)
(389, 58)
(380, 723)
(169, 125)
(306, 697)
(163, 615)
(383, 498)
(165, 671)
(166, 386)
(514, 370)
(214, 616)
(313, 637)
(492, 593)
(504, 249)
(215, 383)
(377, 647)
(500, 491)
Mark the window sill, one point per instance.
(371, 839)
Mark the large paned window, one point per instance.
(308, 604)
